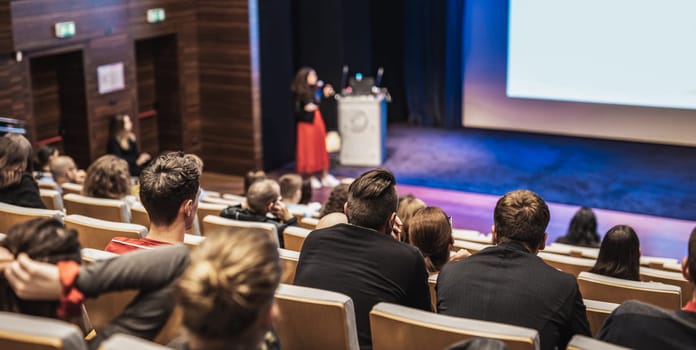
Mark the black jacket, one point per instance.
(236, 212)
(23, 194)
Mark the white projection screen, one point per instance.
(617, 69)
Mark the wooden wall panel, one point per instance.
(13, 85)
(229, 85)
(6, 44)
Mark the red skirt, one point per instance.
(311, 156)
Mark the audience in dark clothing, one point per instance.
(619, 255)
(17, 186)
(582, 230)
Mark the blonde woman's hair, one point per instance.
(107, 177)
(230, 282)
(15, 151)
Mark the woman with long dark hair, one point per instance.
(122, 144)
(582, 230)
(619, 254)
(311, 155)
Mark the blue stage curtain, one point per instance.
(433, 61)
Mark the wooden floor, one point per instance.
(658, 236)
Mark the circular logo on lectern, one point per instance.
(358, 122)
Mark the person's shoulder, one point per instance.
(639, 308)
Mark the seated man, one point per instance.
(508, 283)
(63, 170)
(643, 326)
(362, 259)
(291, 191)
(263, 204)
(169, 192)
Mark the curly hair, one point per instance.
(231, 281)
(107, 177)
(337, 198)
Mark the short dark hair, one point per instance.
(521, 216)
(619, 254)
(168, 181)
(289, 185)
(251, 177)
(691, 260)
(372, 198)
(261, 193)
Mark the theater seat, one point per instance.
(11, 215)
(70, 187)
(95, 233)
(205, 209)
(99, 208)
(214, 222)
(668, 277)
(129, 342)
(289, 259)
(294, 237)
(309, 223)
(471, 236)
(472, 247)
(404, 328)
(568, 264)
(597, 313)
(24, 332)
(616, 290)
(139, 215)
(52, 199)
(581, 342)
(315, 319)
(432, 283)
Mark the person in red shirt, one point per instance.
(169, 189)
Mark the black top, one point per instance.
(368, 266)
(236, 212)
(300, 102)
(643, 326)
(24, 194)
(508, 284)
(130, 155)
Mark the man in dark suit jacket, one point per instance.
(508, 283)
(362, 259)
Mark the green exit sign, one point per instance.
(155, 15)
(65, 29)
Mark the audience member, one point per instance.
(263, 198)
(408, 205)
(307, 192)
(108, 178)
(431, 233)
(508, 283)
(169, 192)
(199, 162)
(336, 201)
(64, 170)
(361, 259)
(47, 267)
(639, 325)
(582, 230)
(619, 255)
(251, 177)
(17, 186)
(226, 294)
(122, 144)
(332, 219)
(44, 155)
(291, 189)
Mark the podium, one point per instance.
(362, 123)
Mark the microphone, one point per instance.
(320, 83)
(380, 73)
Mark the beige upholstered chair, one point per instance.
(294, 237)
(568, 264)
(52, 199)
(404, 328)
(95, 233)
(98, 208)
(124, 341)
(668, 277)
(193, 241)
(471, 236)
(617, 290)
(234, 198)
(11, 215)
(572, 250)
(225, 202)
(581, 342)
(472, 247)
(24, 332)
(289, 259)
(315, 319)
(47, 185)
(205, 209)
(90, 255)
(308, 223)
(657, 262)
(70, 187)
(432, 283)
(214, 222)
(597, 313)
(139, 215)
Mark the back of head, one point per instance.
(45, 240)
(431, 232)
(60, 167)
(251, 177)
(229, 285)
(107, 177)
(15, 153)
(337, 199)
(521, 216)
(168, 181)
(290, 187)
(583, 228)
(372, 199)
(408, 206)
(43, 156)
(261, 193)
(619, 254)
